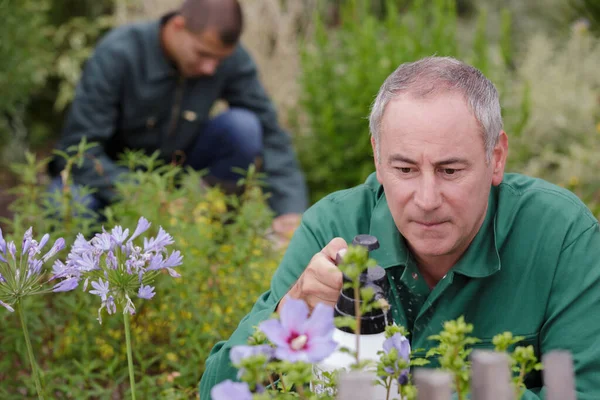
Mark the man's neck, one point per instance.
(433, 269)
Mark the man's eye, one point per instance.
(450, 171)
(405, 170)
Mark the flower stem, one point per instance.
(282, 383)
(389, 386)
(358, 319)
(129, 355)
(34, 371)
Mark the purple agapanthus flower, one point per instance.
(59, 245)
(119, 235)
(142, 227)
(21, 275)
(229, 390)
(146, 292)
(100, 289)
(299, 337)
(115, 256)
(402, 346)
(103, 241)
(2, 243)
(175, 259)
(161, 240)
(66, 285)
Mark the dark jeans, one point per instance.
(232, 139)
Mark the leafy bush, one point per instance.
(560, 139)
(24, 54)
(44, 45)
(226, 258)
(343, 70)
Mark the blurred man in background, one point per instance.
(152, 85)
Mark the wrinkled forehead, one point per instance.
(442, 118)
(429, 104)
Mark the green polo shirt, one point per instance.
(532, 269)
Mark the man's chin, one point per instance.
(429, 247)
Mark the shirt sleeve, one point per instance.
(574, 300)
(286, 182)
(93, 115)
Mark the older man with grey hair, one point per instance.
(458, 236)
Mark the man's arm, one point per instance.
(574, 302)
(93, 114)
(243, 89)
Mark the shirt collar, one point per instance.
(158, 64)
(480, 260)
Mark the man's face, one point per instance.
(434, 172)
(196, 54)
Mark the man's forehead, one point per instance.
(209, 41)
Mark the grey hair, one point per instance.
(433, 75)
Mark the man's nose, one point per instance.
(427, 196)
(208, 67)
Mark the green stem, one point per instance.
(282, 383)
(34, 371)
(129, 355)
(389, 386)
(358, 319)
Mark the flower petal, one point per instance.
(173, 273)
(142, 227)
(275, 332)
(388, 344)
(66, 285)
(9, 308)
(293, 314)
(238, 353)
(320, 323)
(320, 349)
(229, 390)
(287, 354)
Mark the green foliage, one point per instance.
(557, 138)
(57, 212)
(44, 45)
(23, 50)
(453, 350)
(24, 54)
(226, 258)
(522, 359)
(342, 71)
(74, 42)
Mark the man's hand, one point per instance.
(322, 280)
(286, 224)
(283, 228)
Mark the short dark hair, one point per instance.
(223, 15)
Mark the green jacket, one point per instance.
(131, 96)
(533, 269)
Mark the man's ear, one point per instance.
(178, 22)
(376, 159)
(499, 158)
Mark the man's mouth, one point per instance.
(430, 224)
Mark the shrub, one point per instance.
(343, 69)
(226, 258)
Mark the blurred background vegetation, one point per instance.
(323, 62)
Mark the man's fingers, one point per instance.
(333, 247)
(312, 301)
